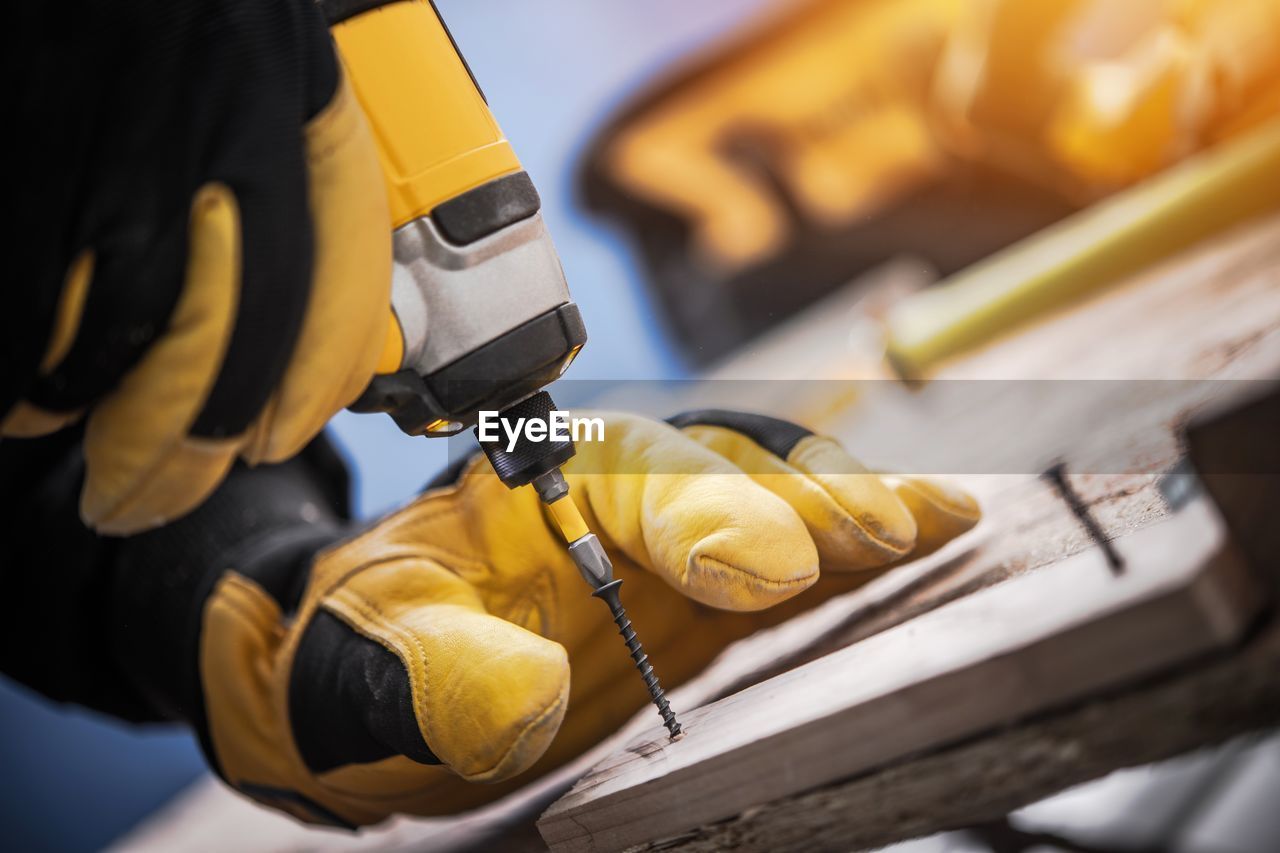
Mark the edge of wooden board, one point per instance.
(1033, 642)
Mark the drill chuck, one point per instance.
(527, 459)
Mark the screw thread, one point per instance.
(609, 593)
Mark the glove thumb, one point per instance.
(404, 660)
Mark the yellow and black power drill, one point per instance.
(481, 317)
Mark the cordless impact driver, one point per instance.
(481, 318)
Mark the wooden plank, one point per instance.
(983, 779)
(998, 655)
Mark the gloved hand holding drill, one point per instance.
(209, 265)
(213, 284)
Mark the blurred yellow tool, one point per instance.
(1233, 182)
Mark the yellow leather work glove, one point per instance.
(832, 111)
(1089, 97)
(813, 111)
(211, 278)
(454, 643)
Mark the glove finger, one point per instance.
(734, 215)
(686, 513)
(364, 690)
(345, 325)
(941, 510)
(142, 468)
(25, 419)
(263, 161)
(448, 682)
(856, 520)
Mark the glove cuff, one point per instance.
(264, 523)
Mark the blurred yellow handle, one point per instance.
(1220, 187)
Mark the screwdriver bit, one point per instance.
(597, 570)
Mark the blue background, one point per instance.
(552, 71)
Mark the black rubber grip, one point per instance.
(508, 368)
(487, 208)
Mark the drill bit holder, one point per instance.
(527, 459)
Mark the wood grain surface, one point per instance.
(977, 663)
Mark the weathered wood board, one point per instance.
(979, 662)
(982, 779)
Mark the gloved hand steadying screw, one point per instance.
(453, 642)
